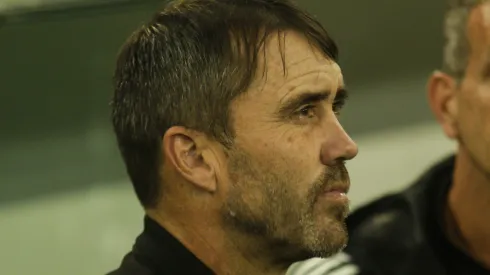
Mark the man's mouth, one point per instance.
(337, 192)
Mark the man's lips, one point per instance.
(337, 192)
(338, 188)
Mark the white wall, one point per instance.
(389, 160)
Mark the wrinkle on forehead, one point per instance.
(292, 58)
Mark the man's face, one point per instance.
(473, 116)
(286, 180)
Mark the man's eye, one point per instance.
(307, 112)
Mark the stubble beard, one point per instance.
(288, 226)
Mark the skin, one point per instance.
(463, 109)
(260, 206)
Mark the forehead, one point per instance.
(479, 25)
(289, 61)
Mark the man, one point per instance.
(441, 224)
(226, 116)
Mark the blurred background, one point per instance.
(66, 206)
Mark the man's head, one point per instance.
(460, 94)
(229, 109)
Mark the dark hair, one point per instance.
(185, 67)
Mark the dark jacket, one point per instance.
(157, 252)
(403, 233)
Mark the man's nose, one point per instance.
(338, 145)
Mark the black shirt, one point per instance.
(403, 233)
(157, 252)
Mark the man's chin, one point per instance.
(331, 248)
(326, 238)
(325, 251)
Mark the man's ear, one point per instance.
(185, 150)
(441, 92)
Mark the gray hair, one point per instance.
(456, 47)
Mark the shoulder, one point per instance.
(383, 234)
(131, 266)
(389, 220)
(395, 226)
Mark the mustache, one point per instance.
(336, 172)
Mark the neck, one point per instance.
(223, 252)
(469, 201)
